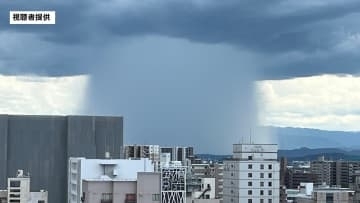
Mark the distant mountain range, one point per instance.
(292, 138)
(309, 144)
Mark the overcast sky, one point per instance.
(181, 71)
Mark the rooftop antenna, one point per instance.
(250, 137)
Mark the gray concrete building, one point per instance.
(325, 171)
(41, 145)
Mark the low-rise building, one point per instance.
(100, 170)
(333, 195)
(145, 189)
(18, 190)
(306, 193)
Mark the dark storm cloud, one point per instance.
(347, 63)
(270, 28)
(256, 25)
(248, 25)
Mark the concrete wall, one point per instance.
(41, 145)
(190, 200)
(39, 196)
(148, 184)
(94, 189)
(122, 188)
(90, 169)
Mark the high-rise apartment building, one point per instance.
(178, 153)
(345, 171)
(252, 175)
(151, 152)
(324, 170)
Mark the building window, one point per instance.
(249, 192)
(270, 175)
(249, 200)
(261, 184)
(73, 165)
(156, 197)
(250, 157)
(232, 166)
(261, 166)
(232, 174)
(232, 191)
(106, 196)
(41, 201)
(15, 183)
(270, 192)
(261, 175)
(250, 166)
(261, 200)
(249, 175)
(261, 192)
(270, 166)
(130, 198)
(249, 183)
(329, 197)
(270, 184)
(269, 200)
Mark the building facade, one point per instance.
(252, 175)
(325, 171)
(210, 170)
(101, 170)
(145, 189)
(178, 153)
(173, 184)
(42, 145)
(151, 152)
(345, 171)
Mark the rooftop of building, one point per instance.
(103, 179)
(253, 144)
(247, 160)
(332, 189)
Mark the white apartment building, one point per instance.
(19, 191)
(252, 175)
(80, 169)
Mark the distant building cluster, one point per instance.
(320, 180)
(77, 159)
